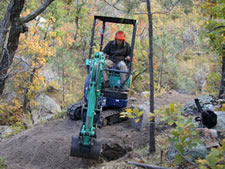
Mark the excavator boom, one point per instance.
(85, 145)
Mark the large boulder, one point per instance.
(48, 104)
(220, 126)
(46, 109)
(49, 74)
(143, 119)
(206, 102)
(5, 131)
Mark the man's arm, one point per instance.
(106, 49)
(128, 52)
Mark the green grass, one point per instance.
(3, 163)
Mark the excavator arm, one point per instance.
(86, 145)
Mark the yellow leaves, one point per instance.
(54, 84)
(52, 34)
(59, 41)
(202, 161)
(172, 107)
(129, 110)
(134, 113)
(222, 108)
(52, 19)
(151, 116)
(11, 112)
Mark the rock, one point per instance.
(144, 119)
(49, 74)
(10, 96)
(46, 109)
(199, 151)
(36, 116)
(206, 102)
(133, 99)
(5, 131)
(145, 94)
(49, 117)
(220, 126)
(48, 104)
(208, 136)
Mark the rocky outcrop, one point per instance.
(206, 102)
(46, 109)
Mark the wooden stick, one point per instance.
(146, 165)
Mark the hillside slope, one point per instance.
(48, 145)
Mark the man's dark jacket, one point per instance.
(117, 53)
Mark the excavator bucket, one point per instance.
(90, 152)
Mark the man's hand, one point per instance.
(127, 58)
(106, 55)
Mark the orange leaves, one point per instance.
(141, 26)
(25, 13)
(67, 39)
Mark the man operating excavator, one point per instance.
(117, 53)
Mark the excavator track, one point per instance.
(110, 116)
(107, 116)
(74, 111)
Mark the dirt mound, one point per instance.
(48, 145)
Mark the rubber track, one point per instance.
(72, 108)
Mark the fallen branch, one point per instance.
(146, 165)
(218, 27)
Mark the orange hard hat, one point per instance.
(120, 35)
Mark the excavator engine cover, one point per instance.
(90, 152)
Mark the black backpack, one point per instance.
(208, 117)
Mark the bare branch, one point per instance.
(140, 73)
(124, 11)
(114, 6)
(32, 15)
(168, 9)
(186, 158)
(218, 27)
(144, 13)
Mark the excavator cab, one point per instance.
(114, 95)
(102, 105)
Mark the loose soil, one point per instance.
(47, 146)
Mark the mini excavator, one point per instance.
(102, 105)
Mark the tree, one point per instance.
(11, 27)
(151, 74)
(215, 26)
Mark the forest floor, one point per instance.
(47, 146)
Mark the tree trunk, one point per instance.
(26, 101)
(4, 28)
(12, 19)
(222, 82)
(160, 74)
(151, 74)
(14, 10)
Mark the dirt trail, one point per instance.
(47, 146)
